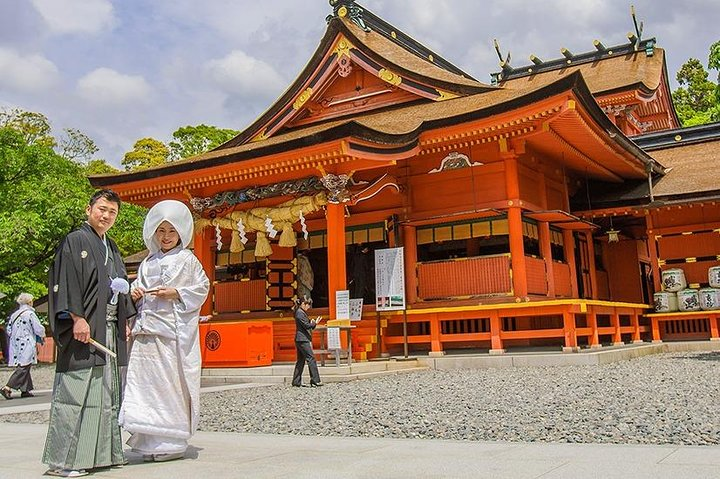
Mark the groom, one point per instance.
(83, 432)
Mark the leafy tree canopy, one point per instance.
(43, 194)
(193, 140)
(697, 101)
(146, 153)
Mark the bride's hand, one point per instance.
(164, 292)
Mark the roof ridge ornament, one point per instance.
(349, 9)
(635, 38)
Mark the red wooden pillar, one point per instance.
(204, 249)
(570, 332)
(496, 343)
(591, 265)
(435, 344)
(594, 339)
(515, 229)
(635, 321)
(655, 330)
(337, 276)
(652, 250)
(410, 244)
(546, 251)
(545, 239)
(569, 246)
(714, 333)
(615, 322)
(517, 252)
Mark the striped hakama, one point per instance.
(84, 431)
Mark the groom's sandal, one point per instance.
(66, 472)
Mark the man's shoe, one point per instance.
(297, 385)
(7, 393)
(27, 394)
(316, 385)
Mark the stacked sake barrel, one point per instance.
(673, 280)
(676, 296)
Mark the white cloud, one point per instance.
(106, 87)
(242, 74)
(31, 73)
(76, 16)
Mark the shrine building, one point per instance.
(539, 209)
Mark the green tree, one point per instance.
(193, 140)
(697, 101)
(146, 153)
(99, 167)
(75, 145)
(43, 196)
(33, 127)
(127, 231)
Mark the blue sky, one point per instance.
(123, 70)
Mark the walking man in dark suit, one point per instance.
(304, 327)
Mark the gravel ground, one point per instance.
(662, 399)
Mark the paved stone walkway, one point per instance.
(228, 455)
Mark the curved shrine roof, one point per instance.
(606, 75)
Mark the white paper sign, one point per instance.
(342, 304)
(356, 305)
(333, 338)
(389, 279)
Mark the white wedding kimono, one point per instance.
(162, 394)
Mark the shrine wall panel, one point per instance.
(682, 215)
(685, 246)
(530, 187)
(555, 197)
(459, 190)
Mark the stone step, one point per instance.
(223, 380)
(284, 375)
(328, 370)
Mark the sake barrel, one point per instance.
(665, 302)
(673, 280)
(714, 276)
(688, 300)
(709, 298)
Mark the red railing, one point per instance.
(483, 275)
(536, 275)
(561, 273)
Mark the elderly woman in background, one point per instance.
(22, 329)
(162, 396)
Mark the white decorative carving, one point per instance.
(454, 161)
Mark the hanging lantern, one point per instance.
(613, 233)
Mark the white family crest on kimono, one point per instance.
(162, 392)
(22, 328)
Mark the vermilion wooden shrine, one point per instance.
(502, 195)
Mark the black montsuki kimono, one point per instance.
(79, 282)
